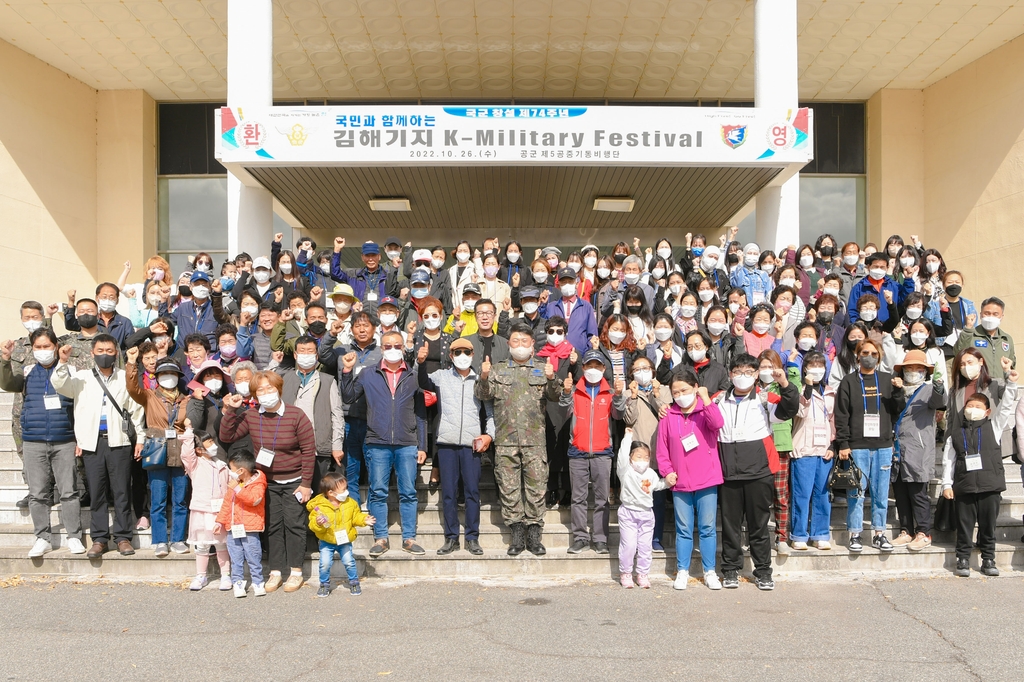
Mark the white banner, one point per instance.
(510, 135)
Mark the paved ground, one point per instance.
(927, 629)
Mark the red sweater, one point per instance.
(290, 436)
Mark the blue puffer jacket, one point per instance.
(38, 424)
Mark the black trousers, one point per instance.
(286, 527)
(108, 471)
(750, 500)
(324, 464)
(140, 490)
(981, 509)
(460, 463)
(913, 507)
(557, 441)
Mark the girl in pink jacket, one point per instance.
(687, 450)
(209, 477)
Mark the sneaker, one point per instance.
(198, 583)
(601, 547)
(354, 589)
(75, 546)
(40, 548)
(823, 545)
(142, 524)
(577, 546)
(225, 583)
(919, 542)
(293, 583)
(881, 543)
(179, 548)
(799, 546)
(258, 590)
(411, 547)
(782, 548)
(160, 550)
(855, 545)
(274, 583)
(681, 581)
(551, 499)
(904, 538)
(963, 568)
(731, 580)
(379, 547)
(240, 589)
(643, 581)
(764, 584)
(626, 580)
(657, 547)
(324, 591)
(988, 567)
(712, 581)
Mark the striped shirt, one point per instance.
(289, 436)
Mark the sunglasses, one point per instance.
(462, 351)
(391, 346)
(556, 331)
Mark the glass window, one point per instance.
(827, 204)
(193, 217)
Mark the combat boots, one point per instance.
(533, 543)
(518, 543)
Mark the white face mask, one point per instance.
(806, 261)
(832, 292)
(568, 290)
(261, 276)
(388, 319)
(593, 376)
(106, 305)
(913, 313)
(392, 255)
(990, 322)
(706, 295)
(250, 309)
(742, 382)
(342, 306)
(697, 355)
(32, 325)
(234, 475)
(462, 256)
(806, 343)
(512, 257)
(761, 327)
(214, 384)
(639, 465)
(907, 261)
(590, 261)
(658, 273)
(932, 267)
(437, 263)
(643, 376)
(44, 357)
(707, 264)
(520, 354)
(734, 308)
(768, 268)
(663, 333)
(685, 400)
(200, 293)
(868, 314)
(815, 374)
(687, 311)
(341, 495)
(305, 360)
(540, 277)
(555, 339)
(603, 273)
(393, 355)
(325, 268)
(285, 268)
(574, 266)
(766, 376)
(211, 450)
(913, 378)
(970, 372)
(919, 338)
(462, 361)
(167, 381)
(717, 328)
(750, 259)
(876, 273)
(469, 305)
(530, 307)
(787, 282)
(616, 337)
(203, 267)
(974, 414)
(632, 277)
(675, 289)
(242, 388)
(431, 322)
(665, 253)
(851, 259)
(268, 401)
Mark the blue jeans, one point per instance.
(875, 466)
(380, 459)
(809, 502)
(327, 551)
(355, 434)
(705, 502)
(243, 551)
(161, 481)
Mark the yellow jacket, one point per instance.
(345, 517)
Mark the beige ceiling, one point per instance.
(465, 49)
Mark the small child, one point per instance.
(333, 517)
(814, 435)
(243, 519)
(209, 478)
(636, 510)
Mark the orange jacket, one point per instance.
(245, 505)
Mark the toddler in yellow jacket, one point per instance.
(333, 518)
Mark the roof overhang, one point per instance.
(513, 167)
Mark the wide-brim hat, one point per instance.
(915, 357)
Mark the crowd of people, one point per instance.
(241, 405)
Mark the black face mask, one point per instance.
(953, 290)
(827, 251)
(825, 317)
(852, 343)
(633, 309)
(619, 257)
(104, 361)
(317, 328)
(87, 321)
(184, 291)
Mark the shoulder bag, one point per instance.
(126, 419)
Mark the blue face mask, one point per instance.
(227, 284)
(698, 251)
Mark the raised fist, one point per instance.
(278, 295)
(969, 322)
(336, 327)
(52, 309)
(64, 353)
(515, 280)
(348, 361)
(620, 386)
(233, 400)
(1006, 364)
(215, 285)
(71, 297)
(595, 342)
(339, 244)
(6, 348)
(410, 328)
(897, 382)
(421, 354)
(316, 292)
(132, 355)
(287, 314)
(888, 296)
(506, 305)
(278, 237)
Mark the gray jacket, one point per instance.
(328, 418)
(458, 408)
(915, 433)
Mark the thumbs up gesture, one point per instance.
(567, 385)
(485, 368)
(549, 370)
(421, 354)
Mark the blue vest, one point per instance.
(38, 424)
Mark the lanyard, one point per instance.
(372, 281)
(273, 444)
(864, 395)
(967, 450)
(824, 406)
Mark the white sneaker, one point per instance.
(75, 546)
(225, 583)
(680, 581)
(240, 589)
(781, 548)
(198, 583)
(712, 581)
(801, 546)
(259, 590)
(40, 548)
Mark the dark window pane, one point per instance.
(851, 138)
(183, 132)
(826, 139)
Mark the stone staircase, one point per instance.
(16, 537)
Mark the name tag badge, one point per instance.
(689, 442)
(371, 295)
(51, 402)
(238, 531)
(820, 435)
(872, 426)
(758, 297)
(341, 537)
(974, 462)
(170, 434)
(216, 504)
(265, 457)
(739, 434)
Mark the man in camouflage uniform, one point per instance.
(520, 389)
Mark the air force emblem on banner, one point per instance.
(734, 136)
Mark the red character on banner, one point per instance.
(250, 134)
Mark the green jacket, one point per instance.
(991, 347)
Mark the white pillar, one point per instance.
(776, 87)
(250, 84)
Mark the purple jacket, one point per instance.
(699, 468)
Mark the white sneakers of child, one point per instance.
(225, 583)
(712, 581)
(198, 583)
(626, 580)
(240, 589)
(259, 590)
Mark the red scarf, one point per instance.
(556, 353)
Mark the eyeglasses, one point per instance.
(745, 373)
(462, 351)
(391, 346)
(869, 354)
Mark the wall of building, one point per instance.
(895, 164)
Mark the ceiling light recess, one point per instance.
(613, 204)
(390, 204)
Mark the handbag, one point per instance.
(846, 479)
(154, 448)
(945, 515)
(126, 421)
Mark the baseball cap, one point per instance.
(199, 275)
(392, 240)
(168, 365)
(261, 262)
(388, 300)
(370, 248)
(566, 273)
(529, 292)
(595, 356)
(421, 255)
(471, 288)
(419, 276)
